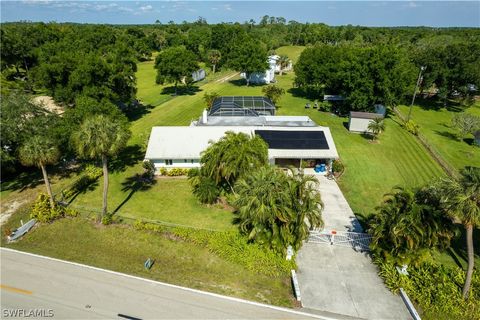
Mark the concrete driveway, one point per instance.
(339, 279)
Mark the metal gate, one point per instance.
(355, 240)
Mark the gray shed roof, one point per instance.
(365, 115)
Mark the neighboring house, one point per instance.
(198, 75)
(333, 97)
(477, 137)
(264, 77)
(359, 121)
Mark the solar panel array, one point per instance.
(296, 140)
(242, 106)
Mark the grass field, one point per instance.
(123, 249)
(371, 169)
(435, 125)
(293, 52)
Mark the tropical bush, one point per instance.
(43, 212)
(435, 289)
(232, 246)
(338, 166)
(174, 172)
(277, 210)
(411, 127)
(231, 157)
(404, 227)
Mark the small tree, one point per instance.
(101, 137)
(209, 97)
(175, 64)
(273, 92)
(283, 62)
(465, 123)
(214, 57)
(40, 151)
(248, 57)
(376, 126)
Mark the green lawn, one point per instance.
(371, 169)
(435, 125)
(123, 249)
(293, 52)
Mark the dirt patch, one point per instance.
(48, 103)
(9, 209)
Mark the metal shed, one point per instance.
(359, 121)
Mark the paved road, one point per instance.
(77, 292)
(339, 279)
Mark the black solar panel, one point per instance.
(294, 139)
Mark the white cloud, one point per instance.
(146, 8)
(227, 7)
(412, 4)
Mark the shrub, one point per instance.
(325, 106)
(436, 289)
(42, 211)
(206, 190)
(149, 169)
(337, 166)
(411, 127)
(175, 172)
(163, 171)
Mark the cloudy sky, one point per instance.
(367, 13)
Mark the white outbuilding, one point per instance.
(359, 121)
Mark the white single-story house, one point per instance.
(181, 147)
(264, 77)
(359, 121)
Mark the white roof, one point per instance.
(189, 142)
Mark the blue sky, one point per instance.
(367, 13)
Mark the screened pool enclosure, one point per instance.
(238, 106)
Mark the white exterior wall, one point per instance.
(176, 163)
(358, 125)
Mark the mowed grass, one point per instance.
(372, 169)
(293, 52)
(436, 126)
(123, 249)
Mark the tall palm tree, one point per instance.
(462, 201)
(40, 151)
(214, 56)
(376, 126)
(283, 62)
(101, 137)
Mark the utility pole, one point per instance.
(422, 68)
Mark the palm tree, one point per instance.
(40, 151)
(214, 56)
(376, 126)
(232, 156)
(283, 62)
(101, 137)
(404, 227)
(277, 209)
(462, 201)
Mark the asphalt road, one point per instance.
(68, 291)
